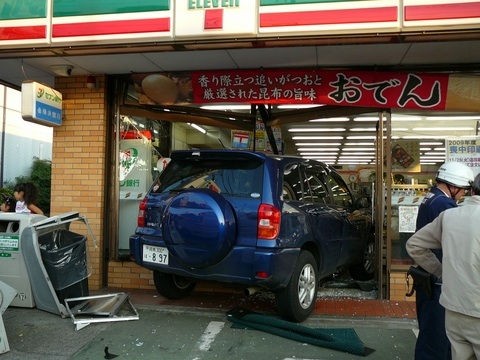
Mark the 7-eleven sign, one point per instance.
(211, 18)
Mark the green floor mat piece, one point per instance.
(341, 339)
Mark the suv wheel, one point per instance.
(297, 301)
(172, 286)
(366, 269)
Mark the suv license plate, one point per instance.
(155, 254)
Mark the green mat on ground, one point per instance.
(341, 339)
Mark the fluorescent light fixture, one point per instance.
(360, 157)
(226, 107)
(360, 137)
(298, 106)
(337, 119)
(358, 149)
(431, 143)
(316, 129)
(435, 153)
(451, 118)
(359, 143)
(366, 118)
(346, 153)
(439, 158)
(422, 137)
(364, 129)
(317, 149)
(197, 127)
(406, 118)
(318, 154)
(457, 128)
(317, 138)
(359, 162)
(319, 144)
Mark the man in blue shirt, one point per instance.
(452, 182)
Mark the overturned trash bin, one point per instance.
(64, 255)
(56, 261)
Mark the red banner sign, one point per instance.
(330, 87)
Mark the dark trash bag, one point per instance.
(64, 256)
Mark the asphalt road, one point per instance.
(187, 333)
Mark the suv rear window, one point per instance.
(237, 178)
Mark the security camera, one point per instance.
(62, 70)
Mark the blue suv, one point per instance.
(274, 222)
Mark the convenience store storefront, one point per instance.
(96, 137)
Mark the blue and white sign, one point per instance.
(41, 104)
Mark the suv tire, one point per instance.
(366, 269)
(297, 301)
(172, 286)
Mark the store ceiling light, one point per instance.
(358, 149)
(315, 153)
(317, 138)
(197, 127)
(337, 119)
(452, 128)
(318, 144)
(451, 118)
(317, 149)
(369, 129)
(316, 129)
(432, 143)
(360, 137)
(355, 153)
(359, 144)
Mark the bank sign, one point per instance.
(41, 104)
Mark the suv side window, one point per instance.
(315, 176)
(293, 188)
(341, 194)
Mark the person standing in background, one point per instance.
(453, 180)
(456, 232)
(26, 196)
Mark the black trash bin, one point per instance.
(64, 255)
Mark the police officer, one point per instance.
(452, 182)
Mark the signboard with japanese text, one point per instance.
(41, 104)
(312, 86)
(380, 89)
(464, 150)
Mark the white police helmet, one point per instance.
(456, 174)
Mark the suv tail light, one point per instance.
(141, 213)
(268, 222)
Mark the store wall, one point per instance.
(78, 162)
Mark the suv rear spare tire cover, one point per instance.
(199, 227)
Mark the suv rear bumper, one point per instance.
(264, 267)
